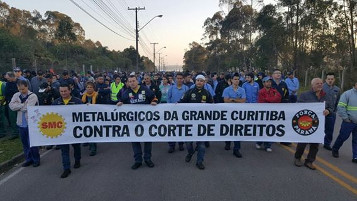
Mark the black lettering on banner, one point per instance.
(247, 130)
(162, 130)
(170, 115)
(234, 115)
(281, 131)
(151, 132)
(201, 129)
(210, 128)
(188, 130)
(156, 116)
(224, 130)
(139, 130)
(77, 117)
(75, 134)
(270, 130)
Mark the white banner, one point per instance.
(282, 122)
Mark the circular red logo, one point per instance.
(305, 122)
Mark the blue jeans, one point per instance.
(138, 153)
(329, 127)
(173, 144)
(200, 152)
(266, 144)
(65, 154)
(236, 145)
(31, 153)
(345, 132)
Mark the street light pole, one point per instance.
(137, 32)
(154, 55)
(137, 35)
(159, 55)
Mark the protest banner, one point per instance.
(298, 122)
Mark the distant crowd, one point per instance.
(19, 89)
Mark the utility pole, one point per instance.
(137, 35)
(154, 54)
(159, 60)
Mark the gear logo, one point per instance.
(52, 125)
(305, 122)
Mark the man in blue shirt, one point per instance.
(251, 89)
(234, 94)
(293, 86)
(176, 92)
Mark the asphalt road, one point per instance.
(257, 176)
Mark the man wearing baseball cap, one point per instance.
(197, 95)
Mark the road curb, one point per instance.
(7, 165)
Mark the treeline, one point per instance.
(55, 41)
(313, 36)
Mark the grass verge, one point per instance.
(9, 149)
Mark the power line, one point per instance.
(99, 21)
(110, 14)
(99, 13)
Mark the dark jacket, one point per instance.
(73, 101)
(310, 97)
(155, 89)
(219, 91)
(143, 96)
(282, 89)
(196, 95)
(103, 93)
(10, 90)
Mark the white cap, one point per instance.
(200, 77)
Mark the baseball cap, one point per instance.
(200, 77)
(266, 79)
(17, 69)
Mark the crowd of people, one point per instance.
(19, 89)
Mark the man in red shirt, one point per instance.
(267, 95)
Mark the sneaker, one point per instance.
(200, 166)
(27, 163)
(188, 158)
(149, 163)
(171, 150)
(237, 154)
(327, 147)
(77, 164)
(136, 166)
(335, 153)
(227, 147)
(268, 150)
(92, 153)
(354, 160)
(36, 164)
(181, 147)
(298, 162)
(310, 165)
(257, 146)
(65, 173)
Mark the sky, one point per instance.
(180, 25)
